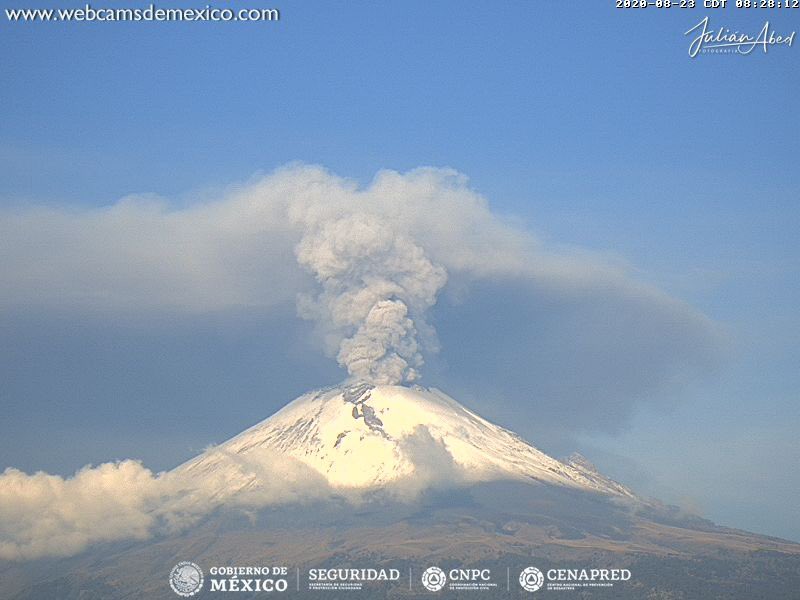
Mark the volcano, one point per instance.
(361, 436)
(406, 477)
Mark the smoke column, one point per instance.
(376, 285)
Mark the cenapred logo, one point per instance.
(433, 578)
(531, 579)
(186, 579)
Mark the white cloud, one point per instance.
(48, 515)
(45, 514)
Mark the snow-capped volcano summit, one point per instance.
(360, 436)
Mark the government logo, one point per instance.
(186, 579)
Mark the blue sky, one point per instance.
(590, 125)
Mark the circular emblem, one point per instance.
(186, 579)
(434, 579)
(531, 579)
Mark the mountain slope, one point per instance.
(361, 436)
(496, 525)
(482, 498)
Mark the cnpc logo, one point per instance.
(434, 578)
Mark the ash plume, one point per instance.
(376, 285)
